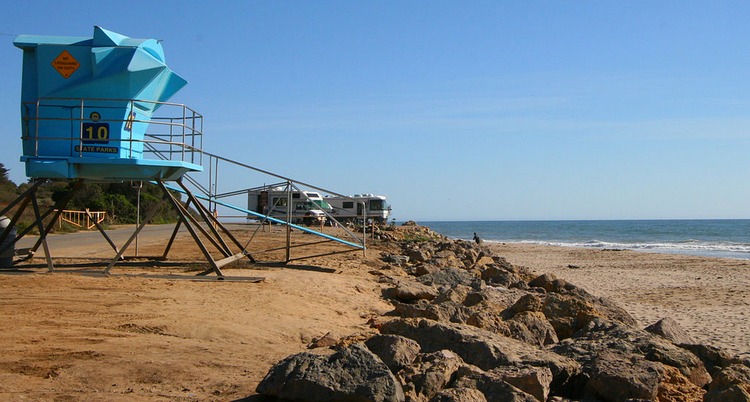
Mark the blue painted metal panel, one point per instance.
(87, 99)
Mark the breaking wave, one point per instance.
(728, 238)
(691, 247)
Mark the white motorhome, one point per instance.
(350, 208)
(305, 206)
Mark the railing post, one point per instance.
(36, 130)
(80, 131)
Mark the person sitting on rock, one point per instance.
(477, 239)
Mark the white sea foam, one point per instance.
(693, 247)
(714, 238)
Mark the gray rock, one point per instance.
(494, 322)
(575, 305)
(447, 311)
(712, 357)
(569, 313)
(602, 336)
(395, 259)
(351, 374)
(456, 294)
(669, 329)
(459, 395)
(539, 331)
(474, 298)
(498, 276)
(534, 381)
(395, 351)
(734, 393)
(731, 384)
(429, 374)
(616, 377)
(410, 291)
(491, 384)
(549, 283)
(450, 277)
(528, 302)
(424, 269)
(417, 255)
(503, 273)
(481, 348)
(734, 374)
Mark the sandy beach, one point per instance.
(708, 296)
(68, 336)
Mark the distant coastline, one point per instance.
(722, 238)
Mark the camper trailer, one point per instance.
(351, 208)
(304, 206)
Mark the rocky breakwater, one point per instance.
(469, 326)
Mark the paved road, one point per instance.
(90, 243)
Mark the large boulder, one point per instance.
(618, 377)
(451, 277)
(430, 374)
(528, 327)
(447, 311)
(395, 259)
(734, 393)
(526, 303)
(631, 343)
(674, 386)
(417, 255)
(395, 351)
(540, 331)
(448, 258)
(570, 308)
(492, 385)
(351, 374)
(534, 381)
(455, 293)
(670, 329)
(731, 384)
(459, 395)
(481, 348)
(502, 273)
(712, 357)
(410, 291)
(569, 313)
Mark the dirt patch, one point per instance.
(78, 335)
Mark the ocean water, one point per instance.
(727, 238)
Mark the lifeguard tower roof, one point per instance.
(96, 108)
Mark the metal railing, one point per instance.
(174, 131)
(171, 132)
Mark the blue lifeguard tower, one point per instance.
(95, 109)
(87, 105)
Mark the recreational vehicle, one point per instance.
(351, 208)
(306, 206)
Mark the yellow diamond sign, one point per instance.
(65, 64)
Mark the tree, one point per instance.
(8, 189)
(119, 200)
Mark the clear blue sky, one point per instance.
(481, 110)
